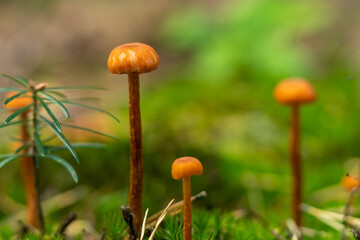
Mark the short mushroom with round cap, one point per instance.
(183, 168)
(294, 92)
(350, 183)
(134, 59)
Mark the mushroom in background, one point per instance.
(350, 183)
(294, 92)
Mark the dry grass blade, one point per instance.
(143, 229)
(170, 213)
(312, 233)
(294, 229)
(323, 216)
(294, 237)
(353, 221)
(176, 206)
(161, 218)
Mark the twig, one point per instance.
(103, 234)
(72, 217)
(129, 219)
(355, 232)
(23, 229)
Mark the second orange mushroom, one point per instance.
(183, 168)
(294, 92)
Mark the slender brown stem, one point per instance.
(187, 208)
(347, 210)
(136, 161)
(39, 212)
(296, 165)
(29, 178)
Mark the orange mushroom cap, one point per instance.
(133, 58)
(350, 183)
(292, 91)
(19, 102)
(186, 167)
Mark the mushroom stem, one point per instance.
(296, 165)
(136, 160)
(187, 208)
(30, 182)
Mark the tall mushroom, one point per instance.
(183, 168)
(134, 59)
(34, 213)
(293, 92)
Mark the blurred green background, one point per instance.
(210, 98)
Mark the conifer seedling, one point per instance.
(33, 105)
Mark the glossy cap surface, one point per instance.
(19, 102)
(186, 167)
(293, 91)
(133, 58)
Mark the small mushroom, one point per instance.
(134, 59)
(293, 92)
(34, 214)
(183, 168)
(350, 183)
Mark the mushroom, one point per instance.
(293, 92)
(134, 59)
(34, 214)
(183, 168)
(350, 183)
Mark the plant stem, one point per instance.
(296, 165)
(28, 172)
(187, 208)
(136, 160)
(37, 208)
(347, 210)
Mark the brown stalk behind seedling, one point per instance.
(29, 171)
